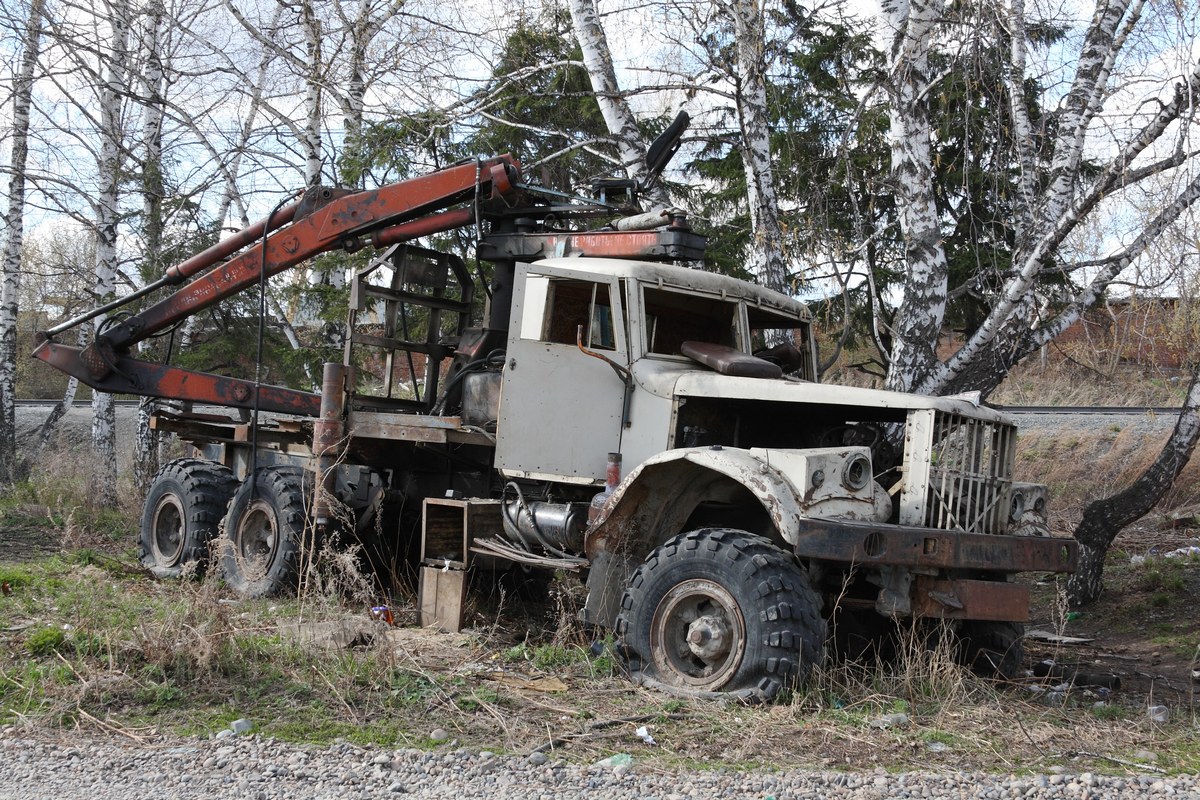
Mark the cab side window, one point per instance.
(674, 318)
(555, 308)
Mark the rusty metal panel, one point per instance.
(856, 543)
(967, 599)
(663, 243)
(400, 427)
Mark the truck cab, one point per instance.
(595, 348)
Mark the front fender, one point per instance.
(655, 500)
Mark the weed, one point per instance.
(518, 652)
(160, 695)
(1162, 599)
(46, 641)
(553, 656)
(674, 706)
(477, 699)
(933, 735)
(1108, 711)
(1162, 574)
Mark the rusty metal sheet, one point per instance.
(967, 599)
(664, 243)
(402, 427)
(857, 543)
(194, 430)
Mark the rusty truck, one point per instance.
(614, 414)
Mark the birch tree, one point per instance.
(153, 79)
(14, 225)
(767, 257)
(1124, 122)
(1060, 189)
(111, 96)
(618, 116)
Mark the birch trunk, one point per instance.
(767, 257)
(146, 444)
(618, 117)
(919, 318)
(107, 219)
(14, 223)
(1005, 337)
(312, 96)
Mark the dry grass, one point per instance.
(143, 657)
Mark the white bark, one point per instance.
(1063, 208)
(618, 116)
(1023, 135)
(146, 445)
(767, 258)
(919, 318)
(14, 224)
(313, 156)
(107, 218)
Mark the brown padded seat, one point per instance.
(728, 361)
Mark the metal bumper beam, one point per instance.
(897, 545)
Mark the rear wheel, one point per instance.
(992, 649)
(182, 513)
(720, 610)
(264, 535)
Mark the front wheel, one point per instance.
(264, 533)
(719, 610)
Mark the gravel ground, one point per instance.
(263, 769)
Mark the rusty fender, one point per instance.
(654, 501)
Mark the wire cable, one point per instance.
(258, 357)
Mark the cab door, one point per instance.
(560, 409)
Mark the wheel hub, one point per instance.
(698, 635)
(256, 536)
(168, 532)
(708, 638)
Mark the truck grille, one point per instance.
(970, 471)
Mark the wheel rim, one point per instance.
(698, 635)
(256, 538)
(167, 526)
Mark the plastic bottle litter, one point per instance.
(617, 760)
(889, 721)
(1158, 714)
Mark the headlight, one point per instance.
(857, 472)
(1017, 509)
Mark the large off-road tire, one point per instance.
(721, 610)
(992, 649)
(264, 534)
(182, 513)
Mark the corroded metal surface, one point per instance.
(970, 599)
(130, 376)
(865, 544)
